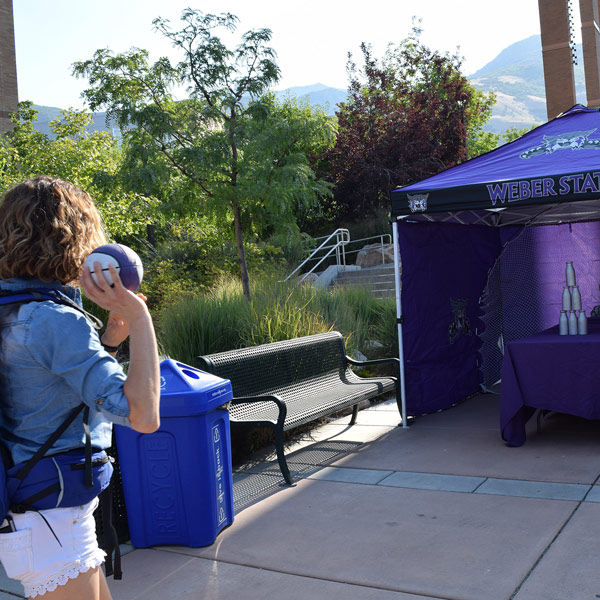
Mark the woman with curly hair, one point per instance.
(51, 361)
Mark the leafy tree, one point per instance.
(408, 116)
(88, 160)
(479, 142)
(227, 147)
(513, 133)
(280, 179)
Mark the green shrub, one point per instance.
(166, 282)
(385, 328)
(223, 319)
(192, 258)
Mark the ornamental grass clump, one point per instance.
(223, 319)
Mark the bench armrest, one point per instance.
(377, 361)
(266, 398)
(270, 398)
(380, 361)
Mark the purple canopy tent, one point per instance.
(478, 270)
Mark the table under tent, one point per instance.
(481, 250)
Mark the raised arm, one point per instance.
(142, 387)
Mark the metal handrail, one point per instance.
(342, 237)
(342, 240)
(380, 237)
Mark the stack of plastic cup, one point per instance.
(573, 320)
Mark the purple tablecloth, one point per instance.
(549, 371)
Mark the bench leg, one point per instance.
(354, 414)
(281, 456)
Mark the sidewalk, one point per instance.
(442, 510)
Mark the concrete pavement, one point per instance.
(442, 510)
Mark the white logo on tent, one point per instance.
(417, 202)
(576, 140)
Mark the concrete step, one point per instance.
(367, 280)
(384, 294)
(380, 280)
(380, 287)
(375, 271)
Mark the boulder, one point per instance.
(370, 255)
(310, 279)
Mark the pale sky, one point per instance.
(312, 37)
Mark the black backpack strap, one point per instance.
(5, 456)
(40, 295)
(28, 504)
(89, 476)
(48, 444)
(112, 566)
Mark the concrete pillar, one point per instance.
(8, 65)
(590, 37)
(556, 52)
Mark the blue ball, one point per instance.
(127, 263)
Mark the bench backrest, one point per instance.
(256, 369)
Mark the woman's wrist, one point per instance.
(110, 347)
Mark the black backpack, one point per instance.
(84, 474)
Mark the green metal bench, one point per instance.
(286, 384)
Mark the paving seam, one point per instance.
(537, 562)
(379, 484)
(484, 480)
(480, 494)
(541, 556)
(591, 486)
(518, 588)
(316, 578)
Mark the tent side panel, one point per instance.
(525, 288)
(444, 271)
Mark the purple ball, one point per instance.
(127, 263)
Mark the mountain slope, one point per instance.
(49, 113)
(516, 75)
(317, 95)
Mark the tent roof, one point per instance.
(551, 172)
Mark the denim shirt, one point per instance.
(51, 360)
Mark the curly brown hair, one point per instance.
(47, 229)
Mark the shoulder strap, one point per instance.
(29, 503)
(40, 295)
(57, 433)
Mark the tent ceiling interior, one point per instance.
(548, 214)
(474, 272)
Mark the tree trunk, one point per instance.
(239, 240)
(150, 228)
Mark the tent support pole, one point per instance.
(399, 320)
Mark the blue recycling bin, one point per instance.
(177, 481)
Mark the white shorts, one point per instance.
(32, 554)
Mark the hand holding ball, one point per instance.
(127, 263)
